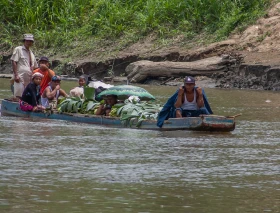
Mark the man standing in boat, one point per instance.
(189, 100)
(23, 63)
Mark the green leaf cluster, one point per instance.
(134, 113)
(78, 105)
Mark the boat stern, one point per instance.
(217, 123)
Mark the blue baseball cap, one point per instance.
(56, 78)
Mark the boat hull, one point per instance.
(202, 123)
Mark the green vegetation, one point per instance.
(89, 24)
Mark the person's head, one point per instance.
(55, 81)
(28, 40)
(37, 78)
(82, 81)
(189, 83)
(44, 63)
(111, 99)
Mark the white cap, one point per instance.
(28, 37)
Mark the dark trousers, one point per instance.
(193, 113)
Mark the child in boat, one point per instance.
(31, 95)
(52, 92)
(82, 81)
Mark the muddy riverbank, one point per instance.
(259, 76)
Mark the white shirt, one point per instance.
(190, 105)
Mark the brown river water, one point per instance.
(57, 166)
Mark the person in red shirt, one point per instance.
(44, 69)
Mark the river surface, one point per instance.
(56, 166)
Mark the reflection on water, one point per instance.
(58, 166)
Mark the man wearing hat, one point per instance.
(23, 63)
(52, 92)
(187, 101)
(190, 99)
(44, 69)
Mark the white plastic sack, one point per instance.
(96, 84)
(77, 92)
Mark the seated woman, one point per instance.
(52, 92)
(31, 95)
(105, 109)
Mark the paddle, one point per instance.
(227, 116)
(233, 116)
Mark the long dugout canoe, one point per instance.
(202, 123)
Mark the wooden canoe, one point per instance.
(202, 123)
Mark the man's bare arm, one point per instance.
(199, 101)
(179, 99)
(51, 94)
(178, 103)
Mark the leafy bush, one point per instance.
(60, 23)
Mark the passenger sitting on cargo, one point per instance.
(52, 92)
(190, 100)
(31, 95)
(105, 109)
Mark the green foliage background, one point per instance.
(63, 24)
